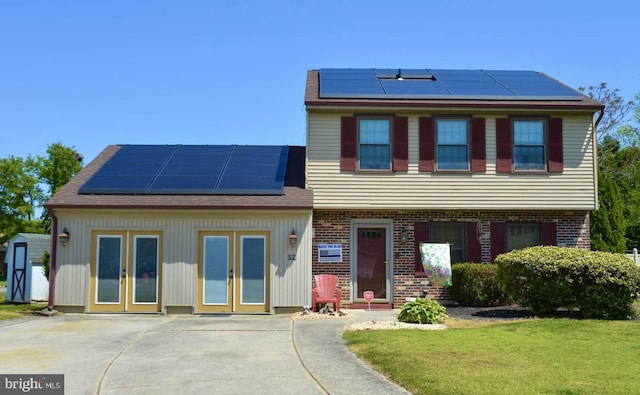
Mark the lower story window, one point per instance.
(522, 235)
(452, 233)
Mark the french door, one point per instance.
(126, 270)
(233, 271)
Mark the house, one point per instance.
(486, 161)
(184, 229)
(26, 281)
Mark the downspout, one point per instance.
(595, 155)
(54, 259)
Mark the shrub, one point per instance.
(476, 284)
(601, 284)
(422, 311)
(46, 263)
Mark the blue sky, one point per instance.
(89, 74)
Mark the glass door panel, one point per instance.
(252, 270)
(145, 269)
(144, 272)
(109, 268)
(216, 267)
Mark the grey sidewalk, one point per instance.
(150, 354)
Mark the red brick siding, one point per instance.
(333, 226)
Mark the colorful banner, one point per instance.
(436, 261)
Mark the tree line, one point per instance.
(27, 183)
(615, 226)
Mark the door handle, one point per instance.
(124, 273)
(386, 262)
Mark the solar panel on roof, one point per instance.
(441, 84)
(206, 169)
(116, 184)
(394, 87)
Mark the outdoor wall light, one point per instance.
(293, 239)
(403, 235)
(64, 237)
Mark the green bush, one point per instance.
(601, 284)
(422, 311)
(476, 284)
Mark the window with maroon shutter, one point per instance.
(472, 241)
(452, 142)
(426, 144)
(556, 161)
(548, 234)
(503, 146)
(420, 235)
(401, 144)
(478, 146)
(348, 144)
(498, 243)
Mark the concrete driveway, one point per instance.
(152, 354)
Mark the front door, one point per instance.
(372, 263)
(233, 271)
(125, 271)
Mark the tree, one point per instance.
(20, 196)
(615, 111)
(57, 169)
(26, 184)
(607, 223)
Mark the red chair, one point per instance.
(326, 291)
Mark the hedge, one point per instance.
(476, 284)
(601, 284)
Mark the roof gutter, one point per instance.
(54, 259)
(599, 118)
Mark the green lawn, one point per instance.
(8, 311)
(540, 356)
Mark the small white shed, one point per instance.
(25, 278)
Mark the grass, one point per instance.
(539, 356)
(9, 311)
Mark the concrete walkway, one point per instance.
(154, 354)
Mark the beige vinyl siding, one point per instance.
(574, 189)
(290, 280)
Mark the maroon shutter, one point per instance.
(426, 144)
(503, 145)
(348, 144)
(548, 234)
(473, 251)
(401, 144)
(420, 235)
(498, 242)
(478, 145)
(555, 164)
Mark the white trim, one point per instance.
(264, 270)
(204, 267)
(97, 287)
(135, 267)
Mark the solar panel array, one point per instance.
(191, 170)
(441, 84)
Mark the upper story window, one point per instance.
(374, 143)
(452, 141)
(529, 144)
